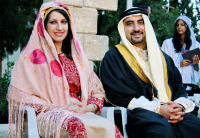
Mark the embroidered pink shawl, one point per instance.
(38, 78)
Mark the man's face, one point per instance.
(135, 30)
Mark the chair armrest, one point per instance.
(32, 123)
(108, 112)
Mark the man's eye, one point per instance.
(128, 23)
(141, 22)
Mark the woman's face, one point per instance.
(57, 27)
(181, 27)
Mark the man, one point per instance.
(138, 76)
(145, 6)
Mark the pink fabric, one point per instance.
(56, 68)
(37, 57)
(40, 60)
(40, 28)
(39, 80)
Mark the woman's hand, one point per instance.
(195, 59)
(196, 62)
(185, 62)
(86, 108)
(74, 108)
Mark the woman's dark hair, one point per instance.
(66, 46)
(177, 39)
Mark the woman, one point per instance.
(183, 40)
(53, 76)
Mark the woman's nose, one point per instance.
(59, 27)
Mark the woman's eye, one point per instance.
(64, 22)
(52, 22)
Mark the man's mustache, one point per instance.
(136, 32)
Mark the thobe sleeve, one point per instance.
(188, 104)
(143, 102)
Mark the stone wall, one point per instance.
(85, 17)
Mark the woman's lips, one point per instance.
(58, 34)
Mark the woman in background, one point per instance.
(183, 40)
(53, 76)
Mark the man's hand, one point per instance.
(177, 112)
(172, 111)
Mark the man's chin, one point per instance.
(136, 42)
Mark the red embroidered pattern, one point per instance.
(36, 107)
(117, 133)
(98, 102)
(75, 127)
(71, 74)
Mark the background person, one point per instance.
(182, 41)
(145, 6)
(53, 76)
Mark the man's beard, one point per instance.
(138, 41)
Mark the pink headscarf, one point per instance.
(38, 79)
(38, 70)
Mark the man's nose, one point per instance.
(136, 27)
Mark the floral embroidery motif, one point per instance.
(56, 68)
(75, 127)
(37, 57)
(98, 102)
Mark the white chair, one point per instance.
(108, 112)
(31, 130)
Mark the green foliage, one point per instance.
(16, 23)
(96, 65)
(108, 21)
(162, 20)
(4, 83)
